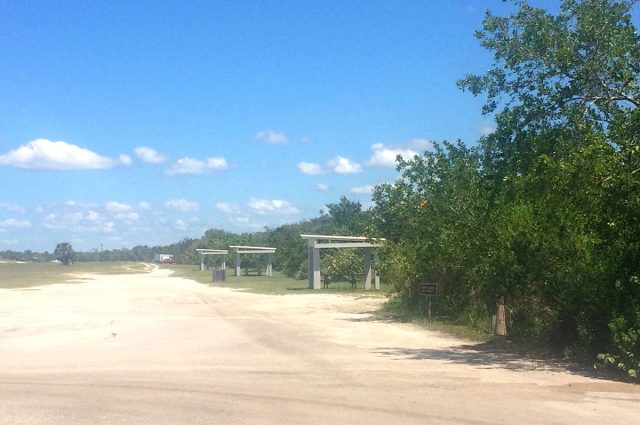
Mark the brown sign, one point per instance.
(427, 288)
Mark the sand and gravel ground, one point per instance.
(154, 349)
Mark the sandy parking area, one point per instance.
(153, 349)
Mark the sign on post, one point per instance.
(428, 290)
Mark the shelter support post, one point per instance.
(237, 263)
(376, 276)
(368, 270)
(317, 284)
(310, 266)
(269, 265)
(314, 266)
(201, 261)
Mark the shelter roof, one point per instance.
(212, 251)
(244, 249)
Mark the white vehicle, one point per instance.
(164, 258)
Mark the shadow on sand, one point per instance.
(500, 353)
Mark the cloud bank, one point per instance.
(149, 155)
(272, 137)
(362, 190)
(188, 165)
(385, 156)
(338, 165)
(43, 154)
(182, 205)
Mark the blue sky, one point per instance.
(144, 122)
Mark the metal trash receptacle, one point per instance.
(219, 275)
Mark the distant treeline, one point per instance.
(27, 255)
(138, 253)
(344, 217)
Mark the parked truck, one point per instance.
(164, 258)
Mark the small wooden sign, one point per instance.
(427, 288)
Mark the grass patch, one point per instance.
(24, 275)
(278, 284)
(458, 330)
(441, 324)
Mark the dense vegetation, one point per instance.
(542, 215)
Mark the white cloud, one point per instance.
(11, 207)
(117, 207)
(239, 220)
(338, 164)
(487, 127)
(368, 205)
(123, 212)
(246, 222)
(322, 187)
(386, 157)
(343, 165)
(107, 227)
(272, 206)
(144, 206)
(180, 224)
(362, 190)
(188, 165)
(226, 207)
(310, 168)
(42, 154)
(125, 160)
(421, 144)
(128, 216)
(272, 137)
(150, 155)
(71, 204)
(182, 205)
(88, 221)
(12, 223)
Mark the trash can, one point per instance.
(219, 275)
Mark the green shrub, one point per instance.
(625, 353)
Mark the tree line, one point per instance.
(544, 213)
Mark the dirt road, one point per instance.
(153, 349)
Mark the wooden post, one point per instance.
(500, 322)
(237, 262)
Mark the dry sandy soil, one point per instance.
(153, 349)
